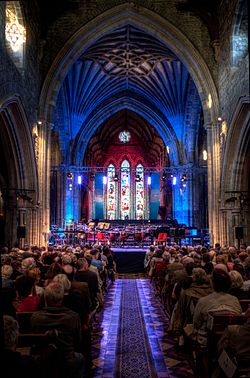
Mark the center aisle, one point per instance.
(127, 346)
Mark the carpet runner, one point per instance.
(108, 335)
(133, 354)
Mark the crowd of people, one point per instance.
(198, 281)
(63, 288)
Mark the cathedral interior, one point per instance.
(124, 188)
(124, 111)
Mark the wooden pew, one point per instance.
(41, 347)
(245, 303)
(23, 319)
(216, 325)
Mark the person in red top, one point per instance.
(28, 300)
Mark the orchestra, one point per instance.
(122, 234)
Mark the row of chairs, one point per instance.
(219, 321)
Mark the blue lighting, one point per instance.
(104, 180)
(79, 180)
(149, 180)
(174, 180)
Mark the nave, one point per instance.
(129, 338)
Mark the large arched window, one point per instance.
(139, 192)
(240, 34)
(125, 190)
(15, 32)
(111, 193)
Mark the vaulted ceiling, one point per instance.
(128, 69)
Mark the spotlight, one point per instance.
(183, 177)
(149, 180)
(174, 180)
(79, 180)
(104, 180)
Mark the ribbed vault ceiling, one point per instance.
(126, 63)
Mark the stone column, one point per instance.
(213, 167)
(10, 204)
(44, 166)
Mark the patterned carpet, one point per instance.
(133, 354)
(168, 359)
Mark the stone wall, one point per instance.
(233, 80)
(22, 83)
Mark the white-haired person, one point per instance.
(73, 300)
(54, 316)
(7, 282)
(237, 285)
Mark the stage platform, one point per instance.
(129, 260)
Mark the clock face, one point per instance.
(124, 136)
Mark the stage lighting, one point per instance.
(174, 180)
(149, 180)
(183, 177)
(79, 180)
(104, 180)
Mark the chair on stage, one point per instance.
(162, 238)
(101, 237)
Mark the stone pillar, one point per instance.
(10, 204)
(213, 167)
(44, 167)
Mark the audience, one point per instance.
(71, 281)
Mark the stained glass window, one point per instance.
(139, 192)
(15, 32)
(124, 136)
(125, 190)
(111, 191)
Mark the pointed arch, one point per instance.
(125, 190)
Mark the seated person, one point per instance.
(7, 281)
(83, 274)
(200, 287)
(28, 300)
(66, 324)
(237, 285)
(219, 300)
(13, 364)
(95, 259)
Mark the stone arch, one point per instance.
(235, 175)
(19, 183)
(149, 22)
(167, 133)
(238, 142)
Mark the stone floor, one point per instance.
(169, 361)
